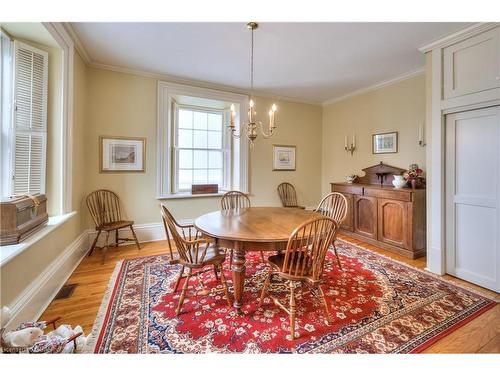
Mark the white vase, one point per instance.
(398, 181)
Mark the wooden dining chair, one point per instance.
(334, 205)
(303, 263)
(187, 231)
(195, 254)
(288, 195)
(106, 211)
(234, 200)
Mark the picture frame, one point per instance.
(284, 158)
(385, 143)
(122, 154)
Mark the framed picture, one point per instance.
(122, 154)
(385, 143)
(283, 158)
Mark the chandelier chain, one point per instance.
(251, 67)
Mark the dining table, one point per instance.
(251, 229)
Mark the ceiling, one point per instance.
(312, 62)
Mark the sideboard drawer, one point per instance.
(350, 189)
(400, 195)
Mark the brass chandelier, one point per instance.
(249, 129)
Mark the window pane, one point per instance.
(214, 140)
(185, 138)
(200, 159)
(200, 120)
(214, 159)
(215, 176)
(185, 179)
(215, 121)
(185, 119)
(200, 176)
(185, 159)
(200, 139)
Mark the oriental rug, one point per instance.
(377, 305)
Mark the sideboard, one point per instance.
(393, 219)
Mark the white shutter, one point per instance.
(30, 119)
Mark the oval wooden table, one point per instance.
(251, 229)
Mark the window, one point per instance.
(24, 118)
(194, 145)
(201, 148)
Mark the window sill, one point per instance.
(9, 252)
(189, 196)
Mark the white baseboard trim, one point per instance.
(33, 301)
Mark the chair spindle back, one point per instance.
(234, 199)
(334, 205)
(104, 206)
(287, 194)
(186, 241)
(307, 248)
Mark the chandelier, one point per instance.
(249, 129)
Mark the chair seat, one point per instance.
(213, 256)
(276, 261)
(115, 225)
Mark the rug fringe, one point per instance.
(428, 273)
(101, 314)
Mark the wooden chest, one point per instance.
(21, 216)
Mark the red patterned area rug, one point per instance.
(378, 305)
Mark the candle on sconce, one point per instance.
(353, 139)
(345, 141)
(420, 133)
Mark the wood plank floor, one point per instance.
(481, 335)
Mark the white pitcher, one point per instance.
(398, 181)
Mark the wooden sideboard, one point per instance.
(393, 219)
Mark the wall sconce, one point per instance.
(421, 135)
(352, 146)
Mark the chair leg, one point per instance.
(337, 255)
(292, 312)
(116, 237)
(95, 242)
(262, 257)
(215, 272)
(325, 305)
(230, 258)
(135, 238)
(105, 248)
(224, 284)
(178, 279)
(265, 287)
(183, 293)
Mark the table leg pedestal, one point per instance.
(238, 271)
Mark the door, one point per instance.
(347, 224)
(393, 222)
(472, 196)
(365, 216)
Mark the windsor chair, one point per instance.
(195, 254)
(334, 205)
(106, 211)
(302, 263)
(236, 200)
(288, 195)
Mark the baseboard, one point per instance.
(145, 233)
(33, 301)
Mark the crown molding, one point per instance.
(458, 35)
(376, 86)
(78, 43)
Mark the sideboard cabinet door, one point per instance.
(348, 223)
(365, 216)
(472, 65)
(393, 223)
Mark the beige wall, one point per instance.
(126, 105)
(16, 275)
(399, 107)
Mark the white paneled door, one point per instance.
(472, 196)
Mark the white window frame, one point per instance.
(167, 94)
(226, 147)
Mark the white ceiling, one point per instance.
(306, 61)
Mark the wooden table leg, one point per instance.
(238, 271)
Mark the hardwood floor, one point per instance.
(481, 335)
